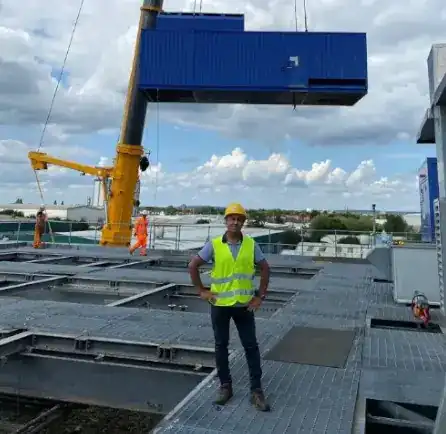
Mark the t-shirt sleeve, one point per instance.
(207, 252)
(258, 254)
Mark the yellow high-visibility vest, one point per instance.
(232, 281)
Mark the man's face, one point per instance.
(234, 222)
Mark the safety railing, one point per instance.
(177, 236)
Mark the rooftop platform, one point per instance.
(96, 314)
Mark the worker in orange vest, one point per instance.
(140, 231)
(39, 228)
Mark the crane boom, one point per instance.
(129, 159)
(41, 161)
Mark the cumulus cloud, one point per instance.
(34, 40)
(272, 182)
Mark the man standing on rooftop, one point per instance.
(232, 295)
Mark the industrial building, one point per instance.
(63, 212)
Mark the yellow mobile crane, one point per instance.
(120, 180)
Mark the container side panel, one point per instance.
(254, 59)
(211, 22)
(249, 60)
(344, 56)
(166, 59)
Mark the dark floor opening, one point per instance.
(386, 417)
(5, 283)
(389, 324)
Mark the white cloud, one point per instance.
(34, 40)
(272, 182)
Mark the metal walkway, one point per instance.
(144, 342)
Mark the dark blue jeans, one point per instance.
(245, 322)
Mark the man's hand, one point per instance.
(254, 304)
(207, 295)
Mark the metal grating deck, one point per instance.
(305, 399)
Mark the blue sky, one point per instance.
(90, 99)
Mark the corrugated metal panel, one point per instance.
(212, 22)
(252, 60)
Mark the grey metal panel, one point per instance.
(404, 350)
(436, 63)
(380, 257)
(408, 278)
(424, 388)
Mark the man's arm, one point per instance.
(203, 256)
(262, 263)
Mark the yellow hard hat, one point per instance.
(235, 208)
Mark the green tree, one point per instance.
(325, 224)
(290, 238)
(396, 224)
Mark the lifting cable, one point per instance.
(157, 144)
(305, 15)
(42, 136)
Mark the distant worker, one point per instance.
(232, 295)
(140, 231)
(39, 228)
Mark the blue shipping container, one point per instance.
(327, 64)
(428, 184)
(177, 21)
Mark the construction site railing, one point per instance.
(176, 236)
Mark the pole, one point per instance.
(117, 232)
(134, 119)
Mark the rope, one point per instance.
(53, 99)
(305, 15)
(295, 14)
(60, 76)
(157, 143)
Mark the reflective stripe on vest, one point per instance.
(232, 280)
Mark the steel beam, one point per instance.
(121, 386)
(122, 374)
(15, 344)
(35, 284)
(95, 264)
(107, 286)
(8, 256)
(413, 426)
(134, 263)
(50, 259)
(108, 350)
(137, 299)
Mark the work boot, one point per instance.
(259, 401)
(224, 394)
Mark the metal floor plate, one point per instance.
(314, 346)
